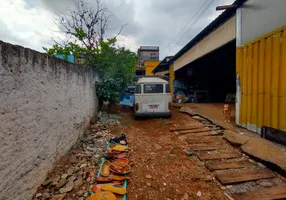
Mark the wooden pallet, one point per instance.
(277, 192)
(218, 156)
(227, 165)
(240, 177)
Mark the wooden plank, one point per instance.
(203, 134)
(277, 192)
(218, 156)
(181, 128)
(196, 140)
(204, 148)
(195, 131)
(240, 177)
(227, 165)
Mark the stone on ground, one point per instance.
(235, 138)
(265, 150)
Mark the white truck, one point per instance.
(152, 98)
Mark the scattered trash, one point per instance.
(38, 195)
(59, 196)
(157, 147)
(148, 176)
(108, 119)
(199, 193)
(229, 197)
(69, 186)
(83, 165)
(46, 195)
(188, 152)
(261, 165)
(185, 197)
(208, 178)
(70, 180)
(47, 182)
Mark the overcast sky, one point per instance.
(168, 24)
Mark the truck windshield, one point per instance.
(153, 88)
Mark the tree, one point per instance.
(84, 25)
(119, 70)
(85, 28)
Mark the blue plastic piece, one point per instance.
(69, 58)
(127, 100)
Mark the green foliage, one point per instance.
(85, 29)
(109, 88)
(118, 67)
(116, 64)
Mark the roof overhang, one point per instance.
(212, 27)
(163, 65)
(217, 38)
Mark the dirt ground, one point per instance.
(161, 170)
(158, 153)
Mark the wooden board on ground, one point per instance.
(199, 140)
(181, 128)
(227, 165)
(204, 148)
(218, 155)
(198, 130)
(240, 177)
(201, 134)
(277, 192)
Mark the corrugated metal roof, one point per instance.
(227, 14)
(163, 65)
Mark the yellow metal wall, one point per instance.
(171, 73)
(171, 77)
(261, 66)
(150, 66)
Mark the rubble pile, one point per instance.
(74, 175)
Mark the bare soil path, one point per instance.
(162, 170)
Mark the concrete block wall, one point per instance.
(45, 103)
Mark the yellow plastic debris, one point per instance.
(117, 189)
(103, 195)
(119, 147)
